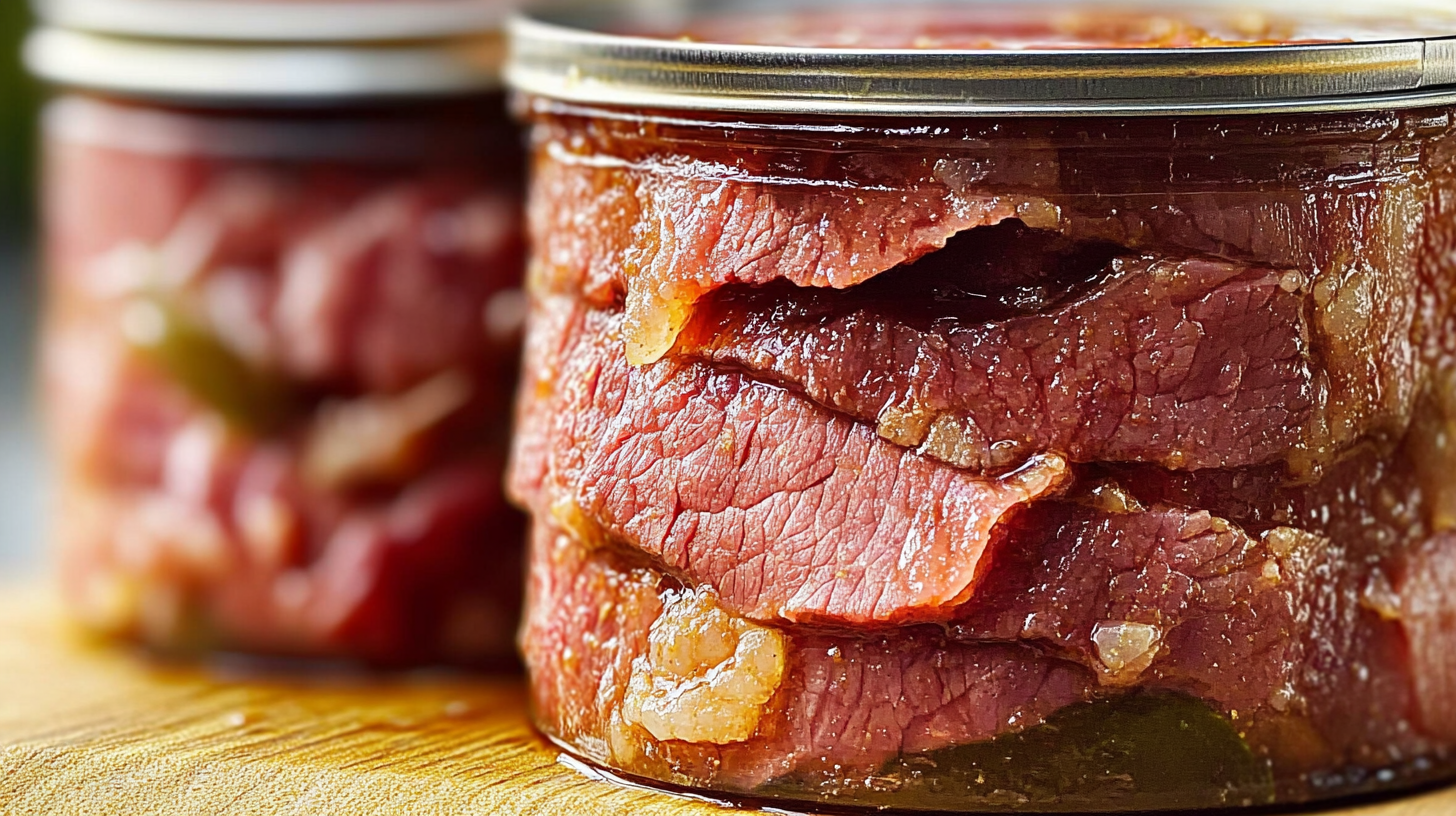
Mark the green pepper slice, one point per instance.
(208, 370)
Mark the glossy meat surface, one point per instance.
(850, 700)
(652, 217)
(1252, 644)
(789, 511)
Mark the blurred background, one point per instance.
(20, 479)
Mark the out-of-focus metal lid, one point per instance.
(278, 21)
(249, 74)
(270, 51)
(1335, 55)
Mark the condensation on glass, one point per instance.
(279, 348)
(982, 456)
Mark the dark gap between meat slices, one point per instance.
(639, 221)
(986, 274)
(1013, 341)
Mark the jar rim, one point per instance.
(576, 58)
(317, 21)
(272, 74)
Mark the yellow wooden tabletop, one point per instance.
(87, 730)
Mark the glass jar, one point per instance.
(280, 342)
(976, 440)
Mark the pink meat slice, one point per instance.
(430, 574)
(1313, 608)
(395, 287)
(1314, 677)
(598, 229)
(1070, 570)
(666, 241)
(614, 204)
(230, 541)
(1428, 618)
(846, 703)
(1274, 630)
(791, 512)
(1191, 364)
(354, 284)
(652, 226)
(247, 557)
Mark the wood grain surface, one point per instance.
(90, 730)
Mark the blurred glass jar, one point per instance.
(282, 326)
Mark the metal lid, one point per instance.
(250, 74)
(278, 21)
(1399, 55)
(275, 51)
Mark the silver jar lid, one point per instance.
(1397, 54)
(277, 21)
(270, 51)
(225, 73)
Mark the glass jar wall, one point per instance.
(278, 356)
(990, 462)
(279, 353)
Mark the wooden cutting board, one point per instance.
(90, 730)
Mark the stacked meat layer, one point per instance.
(280, 379)
(846, 451)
